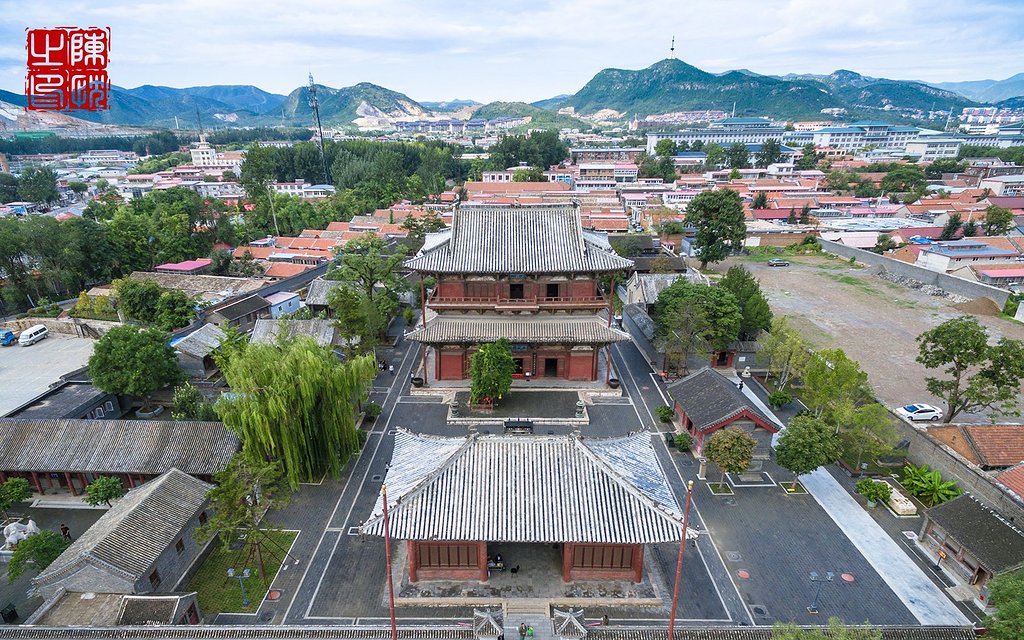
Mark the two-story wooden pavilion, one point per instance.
(528, 274)
(600, 499)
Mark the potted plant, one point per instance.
(372, 410)
(873, 491)
(665, 413)
(683, 441)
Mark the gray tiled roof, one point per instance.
(709, 398)
(521, 239)
(527, 489)
(267, 331)
(115, 446)
(242, 308)
(317, 292)
(201, 342)
(998, 545)
(129, 537)
(476, 329)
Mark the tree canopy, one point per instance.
(770, 153)
(1007, 594)
(757, 315)
(720, 226)
(294, 402)
(38, 551)
(806, 444)
(103, 489)
(979, 376)
(731, 449)
(490, 372)
(998, 220)
(719, 320)
(39, 185)
(132, 361)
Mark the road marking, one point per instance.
(625, 367)
(334, 512)
(657, 385)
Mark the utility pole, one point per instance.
(314, 104)
(679, 561)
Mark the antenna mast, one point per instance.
(672, 49)
(314, 104)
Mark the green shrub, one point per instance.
(372, 410)
(928, 486)
(665, 413)
(407, 315)
(874, 491)
(779, 399)
(684, 441)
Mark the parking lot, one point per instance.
(874, 321)
(26, 372)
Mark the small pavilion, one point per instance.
(600, 500)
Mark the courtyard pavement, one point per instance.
(26, 372)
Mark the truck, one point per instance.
(7, 337)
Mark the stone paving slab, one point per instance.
(525, 404)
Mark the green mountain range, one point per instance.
(340, 107)
(987, 90)
(672, 85)
(538, 117)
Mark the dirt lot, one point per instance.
(874, 321)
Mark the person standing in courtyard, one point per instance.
(65, 532)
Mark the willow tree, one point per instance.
(294, 402)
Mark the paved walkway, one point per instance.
(925, 600)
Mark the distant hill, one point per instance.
(234, 97)
(1011, 103)
(552, 103)
(673, 85)
(539, 117)
(987, 90)
(450, 105)
(362, 104)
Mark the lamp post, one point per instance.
(819, 580)
(679, 561)
(241, 577)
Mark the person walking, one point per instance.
(65, 532)
(522, 629)
(391, 369)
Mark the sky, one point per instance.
(521, 49)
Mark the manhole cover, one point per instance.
(847, 577)
(377, 478)
(266, 617)
(274, 595)
(759, 610)
(730, 502)
(733, 556)
(743, 574)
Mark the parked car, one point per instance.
(7, 337)
(32, 335)
(920, 412)
(778, 262)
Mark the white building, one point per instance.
(928, 148)
(1012, 185)
(858, 135)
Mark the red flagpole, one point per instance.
(679, 561)
(387, 555)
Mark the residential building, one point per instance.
(240, 314)
(144, 544)
(858, 135)
(605, 154)
(931, 148)
(722, 136)
(73, 396)
(592, 503)
(218, 189)
(528, 274)
(187, 267)
(270, 331)
(948, 255)
(195, 351)
(1005, 185)
(317, 296)
(283, 303)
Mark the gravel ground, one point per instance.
(874, 321)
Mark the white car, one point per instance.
(920, 412)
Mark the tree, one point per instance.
(903, 179)
(998, 220)
(681, 330)
(243, 492)
(834, 385)
(806, 444)
(786, 353)
(884, 243)
(529, 174)
(714, 154)
(721, 228)
(132, 361)
(809, 158)
(869, 432)
(731, 449)
(738, 156)
(805, 214)
(757, 315)
(770, 153)
(294, 402)
(979, 375)
(38, 550)
(137, 299)
(102, 490)
(970, 229)
(191, 405)
(78, 187)
(14, 490)
(490, 372)
(760, 201)
(935, 170)
(360, 320)
(369, 265)
(952, 226)
(1006, 592)
(174, 310)
(257, 172)
(39, 185)
(8, 188)
(719, 310)
(665, 147)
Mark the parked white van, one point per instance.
(33, 335)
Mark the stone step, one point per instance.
(527, 606)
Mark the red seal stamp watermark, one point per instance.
(67, 69)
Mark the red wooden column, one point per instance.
(35, 481)
(412, 550)
(567, 553)
(638, 563)
(481, 560)
(131, 481)
(71, 483)
(3, 477)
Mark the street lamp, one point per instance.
(241, 577)
(815, 578)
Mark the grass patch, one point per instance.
(218, 593)
(720, 488)
(794, 490)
